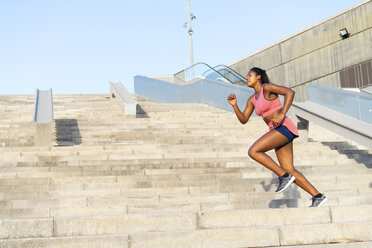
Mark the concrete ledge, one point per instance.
(130, 105)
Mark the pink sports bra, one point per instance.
(264, 107)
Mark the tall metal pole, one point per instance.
(190, 32)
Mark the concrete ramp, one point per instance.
(351, 128)
(346, 113)
(43, 117)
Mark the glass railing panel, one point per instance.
(356, 105)
(204, 71)
(365, 109)
(199, 70)
(230, 74)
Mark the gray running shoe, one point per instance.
(284, 182)
(318, 201)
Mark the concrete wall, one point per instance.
(317, 54)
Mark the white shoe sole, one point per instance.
(322, 202)
(290, 182)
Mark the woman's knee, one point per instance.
(252, 152)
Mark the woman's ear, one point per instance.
(258, 77)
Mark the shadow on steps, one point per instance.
(352, 152)
(290, 195)
(140, 112)
(67, 132)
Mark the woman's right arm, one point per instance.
(243, 117)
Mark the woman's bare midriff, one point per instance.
(271, 116)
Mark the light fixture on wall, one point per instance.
(344, 33)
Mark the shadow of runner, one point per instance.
(352, 152)
(290, 195)
(67, 132)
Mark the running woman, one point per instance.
(282, 131)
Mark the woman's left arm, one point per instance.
(288, 98)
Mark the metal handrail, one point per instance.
(221, 65)
(238, 79)
(209, 69)
(36, 104)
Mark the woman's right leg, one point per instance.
(285, 158)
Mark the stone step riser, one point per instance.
(232, 173)
(115, 207)
(84, 185)
(281, 223)
(118, 241)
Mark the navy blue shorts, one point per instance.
(285, 131)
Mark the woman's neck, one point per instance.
(257, 88)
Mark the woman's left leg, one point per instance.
(267, 142)
(285, 158)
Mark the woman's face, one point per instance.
(252, 78)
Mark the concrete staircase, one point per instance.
(178, 175)
(16, 113)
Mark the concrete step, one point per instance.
(107, 225)
(217, 146)
(255, 237)
(245, 172)
(107, 241)
(158, 198)
(116, 204)
(24, 213)
(166, 167)
(248, 237)
(158, 158)
(214, 200)
(229, 182)
(342, 243)
(285, 218)
(273, 217)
